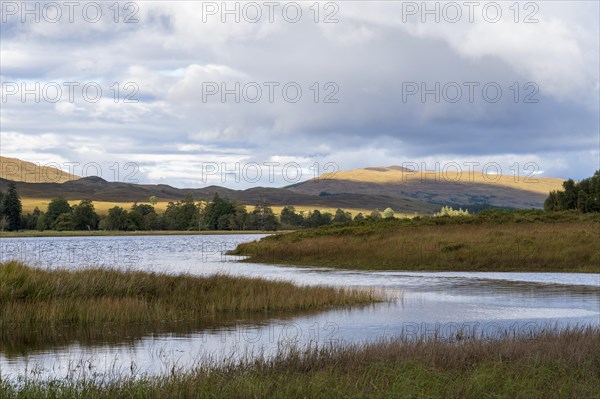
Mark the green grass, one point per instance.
(532, 241)
(36, 301)
(549, 365)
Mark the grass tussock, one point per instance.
(520, 242)
(549, 365)
(42, 299)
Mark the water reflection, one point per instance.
(25, 340)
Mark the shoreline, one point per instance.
(107, 233)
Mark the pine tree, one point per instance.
(11, 207)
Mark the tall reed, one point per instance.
(31, 297)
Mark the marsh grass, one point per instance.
(555, 243)
(549, 364)
(33, 299)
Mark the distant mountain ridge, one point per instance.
(402, 189)
(98, 189)
(452, 186)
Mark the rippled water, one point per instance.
(484, 304)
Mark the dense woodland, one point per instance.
(583, 196)
(223, 214)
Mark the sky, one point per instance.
(244, 94)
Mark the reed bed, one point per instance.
(550, 364)
(32, 298)
(566, 246)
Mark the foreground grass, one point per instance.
(497, 241)
(548, 365)
(36, 299)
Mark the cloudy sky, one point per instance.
(193, 95)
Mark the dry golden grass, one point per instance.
(451, 187)
(565, 247)
(102, 207)
(16, 170)
(542, 185)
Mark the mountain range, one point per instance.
(403, 189)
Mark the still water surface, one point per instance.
(443, 303)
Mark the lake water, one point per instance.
(423, 303)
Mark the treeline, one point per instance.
(221, 214)
(186, 214)
(583, 196)
(316, 218)
(224, 214)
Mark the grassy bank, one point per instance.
(101, 233)
(36, 299)
(549, 365)
(492, 241)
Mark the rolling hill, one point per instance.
(435, 187)
(17, 170)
